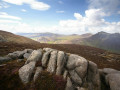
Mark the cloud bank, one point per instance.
(92, 22)
(34, 4)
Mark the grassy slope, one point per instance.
(9, 79)
(9, 37)
(96, 55)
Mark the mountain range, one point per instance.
(103, 40)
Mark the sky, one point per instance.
(60, 16)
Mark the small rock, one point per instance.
(20, 60)
(4, 59)
(16, 54)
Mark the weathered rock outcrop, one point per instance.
(79, 73)
(75, 69)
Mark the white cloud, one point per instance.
(108, 6)
(34, 4)
(23, 10)
(3, 5)
(78, 16)
(4, 15)
(60, 2)
(60, 11)
(8, 21)
(92, 22)
(118, 12)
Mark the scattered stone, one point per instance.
(4, 59)
(52, 62)
(2, 65)
(26, 71)
(37, 72)
(20, 60)
(16, 54)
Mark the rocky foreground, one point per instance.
(79, 73)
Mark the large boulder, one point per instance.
(78, 63)
(93, 77)
(37, 72)
(61, 60)
(36, 55)
(113, 80)
(52, 62)
(4, 59)
(26, 71)
(45, 58)
(69, 85)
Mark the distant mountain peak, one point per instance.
(102, 32)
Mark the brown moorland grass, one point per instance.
(9, 78)
(90, 53)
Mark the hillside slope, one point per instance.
(53, 38)
(101, 57)
(105, 41)
(10, 37)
